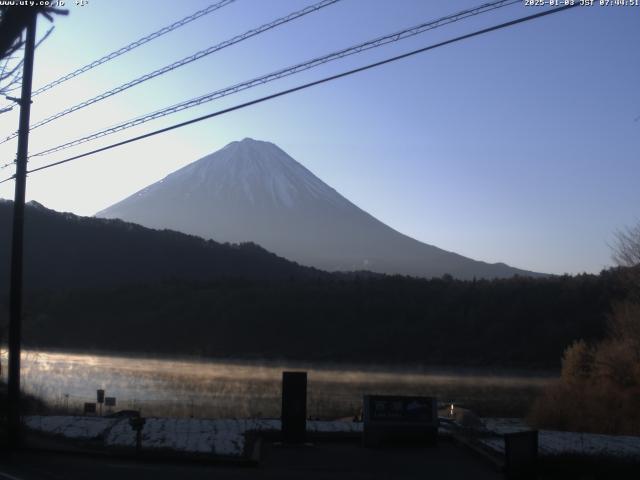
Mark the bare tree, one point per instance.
(10, 75)
(626, 250)
(13, 21)
(598, 375)
(626, 254)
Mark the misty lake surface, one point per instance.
(234, 389)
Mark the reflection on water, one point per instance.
(205, 388)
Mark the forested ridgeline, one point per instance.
(63, 250)
(356, 318)
(111, 285)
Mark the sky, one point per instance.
(520, 146)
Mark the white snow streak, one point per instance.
(553, 443)
(219, 437)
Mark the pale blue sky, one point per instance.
(519, 146)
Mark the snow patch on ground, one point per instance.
(71, 427)
(318, 426)
(554, 443)
(218, 437)
(185, 435)
(505, 425)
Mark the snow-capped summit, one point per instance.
(256, 171)
(252, 190)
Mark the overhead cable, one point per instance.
(305, 86)
(127, 48)
(370, 44)
(180, 63)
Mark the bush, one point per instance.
(599, 388)
(577, 362)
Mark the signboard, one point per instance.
(89, 407)
(110, 401)
(404, 419)
(401, 409)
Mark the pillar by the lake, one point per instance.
(294, 407)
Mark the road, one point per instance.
(320, 461)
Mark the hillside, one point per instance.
(63, 250)
(109, 285)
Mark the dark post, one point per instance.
(138, 441)
(100, 398)
(521, 454)
(15, 300)
(137, 424)
(294, 407)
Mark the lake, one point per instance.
(234, 389)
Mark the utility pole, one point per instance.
(15, 300)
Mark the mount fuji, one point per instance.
(252, 191)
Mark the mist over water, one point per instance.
(231, 389)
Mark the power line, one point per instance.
(285, 72)
(305, 86)
(180, 63)
(141, 41)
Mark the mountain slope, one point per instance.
(253, 191)
(67, 251)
